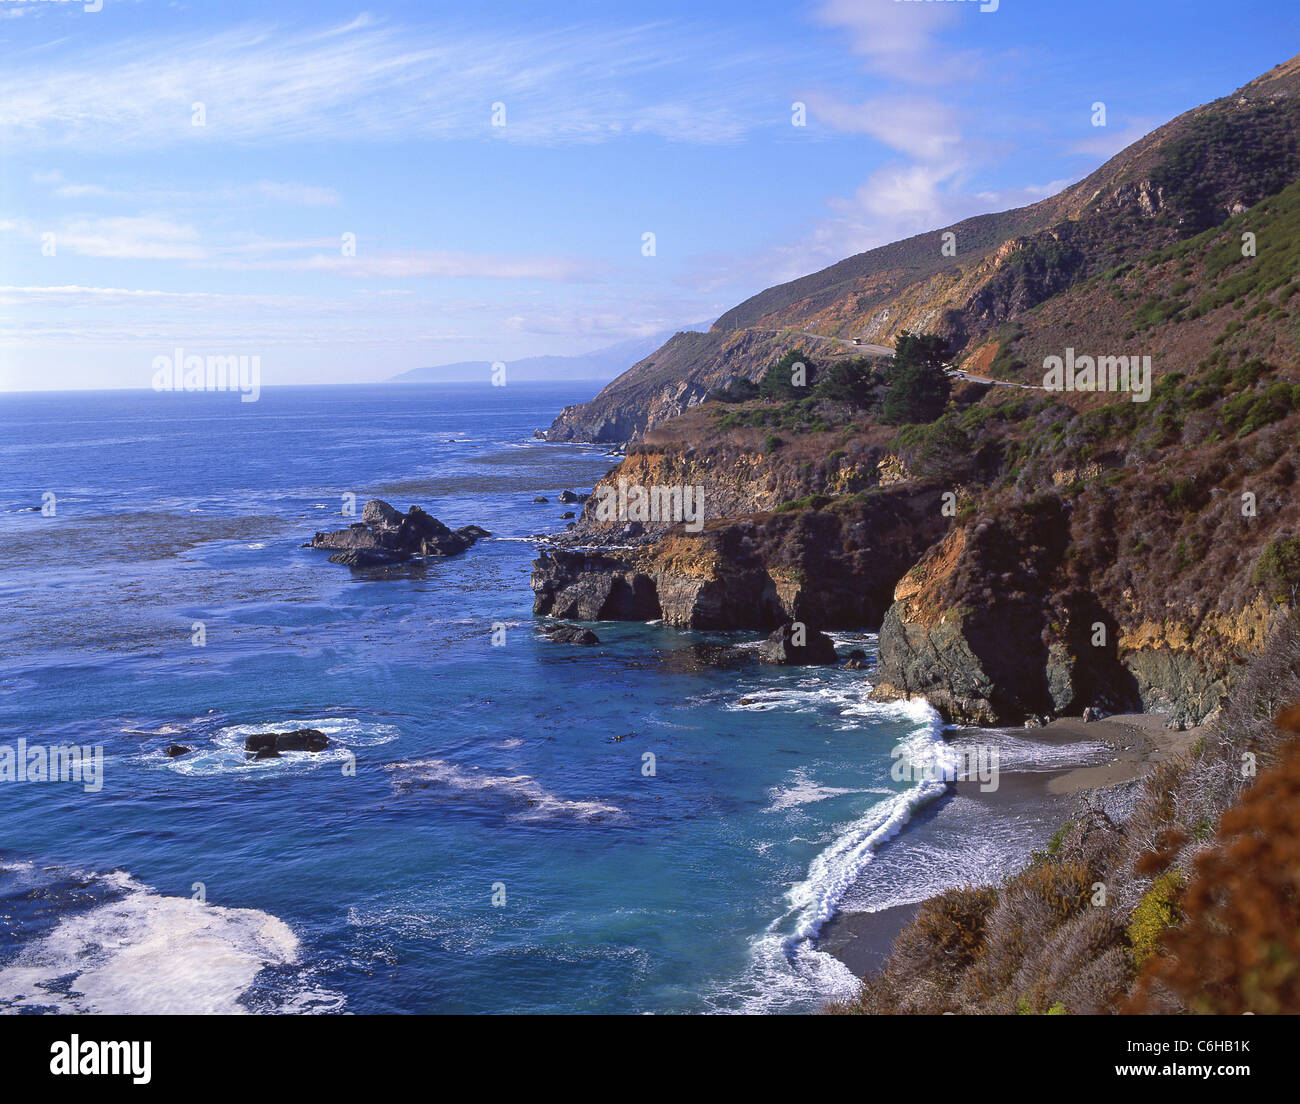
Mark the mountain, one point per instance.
(1181, 179)
(1097, 552)
(600, 364)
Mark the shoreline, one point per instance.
(863, 941)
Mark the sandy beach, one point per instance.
(862, 940)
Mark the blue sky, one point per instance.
(476, 241)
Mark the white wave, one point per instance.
(145, 953)
(802, 790)
(1027, 754)
(785, 967)
(225, 753)
(521, 792)
(845, 693)
(846, 639)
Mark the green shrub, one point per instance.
(1154, 914)
(1277, 571)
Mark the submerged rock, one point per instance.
(570, 634)
(175, 751)
(797, 645)
(269, 745)
(569, 496)
(387, 536)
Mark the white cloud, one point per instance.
(275, 192)
(925, 128)
(131, 238)
(901, 40)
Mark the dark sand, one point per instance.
(862, 940)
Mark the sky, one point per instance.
(348, 192)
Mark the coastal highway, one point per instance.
(958, 374)
(864, 347)
(886, 351)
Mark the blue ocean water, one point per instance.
(484, 834)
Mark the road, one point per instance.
(868, 349)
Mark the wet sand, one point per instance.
(863, 940)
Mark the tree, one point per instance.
(918, 382)
(791, 377)
(850, 381)
(737, 391)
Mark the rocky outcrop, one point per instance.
(591, 587)
(834, 567)
(797, 645)
(270, 745)
(990, 628)
(385, 535)
(569, 634)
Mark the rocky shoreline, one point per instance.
(978, 616)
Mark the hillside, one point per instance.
(1185, 177)
(1171, 523)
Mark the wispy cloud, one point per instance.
(923, 127)
(367, 80)
(1107, 141)
(272, 192)
(902, 40)
(157, 238)
(142, 238)
(407, 264)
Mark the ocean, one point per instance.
(530, 827)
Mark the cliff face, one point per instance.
(1029, 553)
(830, 568)
(990, 628)
(1182, 178)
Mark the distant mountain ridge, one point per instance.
(600, 364)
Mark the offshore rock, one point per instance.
(797, 646)
(387, 536)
